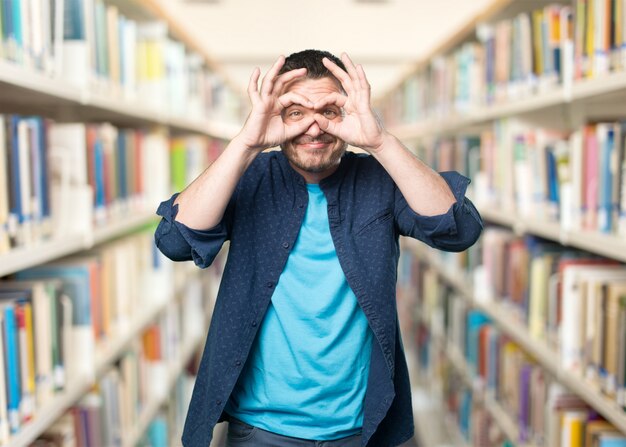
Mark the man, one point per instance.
(303, 348)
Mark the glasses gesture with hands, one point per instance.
(264, 127)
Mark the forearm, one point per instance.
(202, 204)
(426, 192)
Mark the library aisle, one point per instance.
(108, 107)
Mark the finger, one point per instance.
(268, 80)
(291, 98)
(294, 129)
(333, 98)
(350, 67)
(343, 77)
(362, 78)
(287, 77)
(253, 86)
(327, 125)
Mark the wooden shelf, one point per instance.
(26, 91)
(40, 252)
(609, 88)
(611, 246)
(538, 349)
(123, 226)
(150, 410)
(58, 247)
(493, 407)
(106, 354)
(433, 425)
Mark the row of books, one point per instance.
(56, 316)
(516, 57)
(578, 179)
(50, 342)
(96, 46)
(72, 176)
(574, 301)
(111, 411)
(480, 371)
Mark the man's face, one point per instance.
(313, 152)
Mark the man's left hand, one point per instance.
(359, 126)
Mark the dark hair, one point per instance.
(312, 61)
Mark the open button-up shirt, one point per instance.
(367, 213)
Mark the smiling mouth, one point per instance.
(314, 145)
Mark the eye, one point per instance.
(294, 114)
(330, 113)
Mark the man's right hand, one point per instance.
(264, 127)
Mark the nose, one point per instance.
(314, 130)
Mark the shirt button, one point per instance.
(301, 205)
(238, 363)
(218, 402)
(254, 324)
(285, 244)
(270, 284)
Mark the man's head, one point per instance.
(314, 154)
(312, 61)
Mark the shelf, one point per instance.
(57, 247)
(611, 246)
(26, 91)
(123, 226)
(493, 407)
(610, 87)
(40, 252)
(433, 426)
(546, 357)
(168, 11)
(150, 410)
(106, 354)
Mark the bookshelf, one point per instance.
(48, 250)
(491, 405)
(144, 115)
(506, 321)
(26, 91)
(461, 104)
(106, 355)
(150, 410)
(585, 94)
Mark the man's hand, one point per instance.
(264, 127)
(359, 126)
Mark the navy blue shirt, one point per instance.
(367, 214)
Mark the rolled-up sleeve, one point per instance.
(181, 243)
(456, 230)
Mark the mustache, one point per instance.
(306, 139)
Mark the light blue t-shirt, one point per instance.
(307, 372)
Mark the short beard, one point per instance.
(331, 160)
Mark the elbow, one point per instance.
(468, 228)
(170, 242)
(468, 233)
(173, 251)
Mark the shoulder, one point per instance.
(365, 166)
(263, 163)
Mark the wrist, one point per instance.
(384, 141)
(238, 147)
(243, 143)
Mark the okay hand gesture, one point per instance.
(264, 127)
(359, 126)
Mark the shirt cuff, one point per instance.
(445, 224)
(179, 241)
